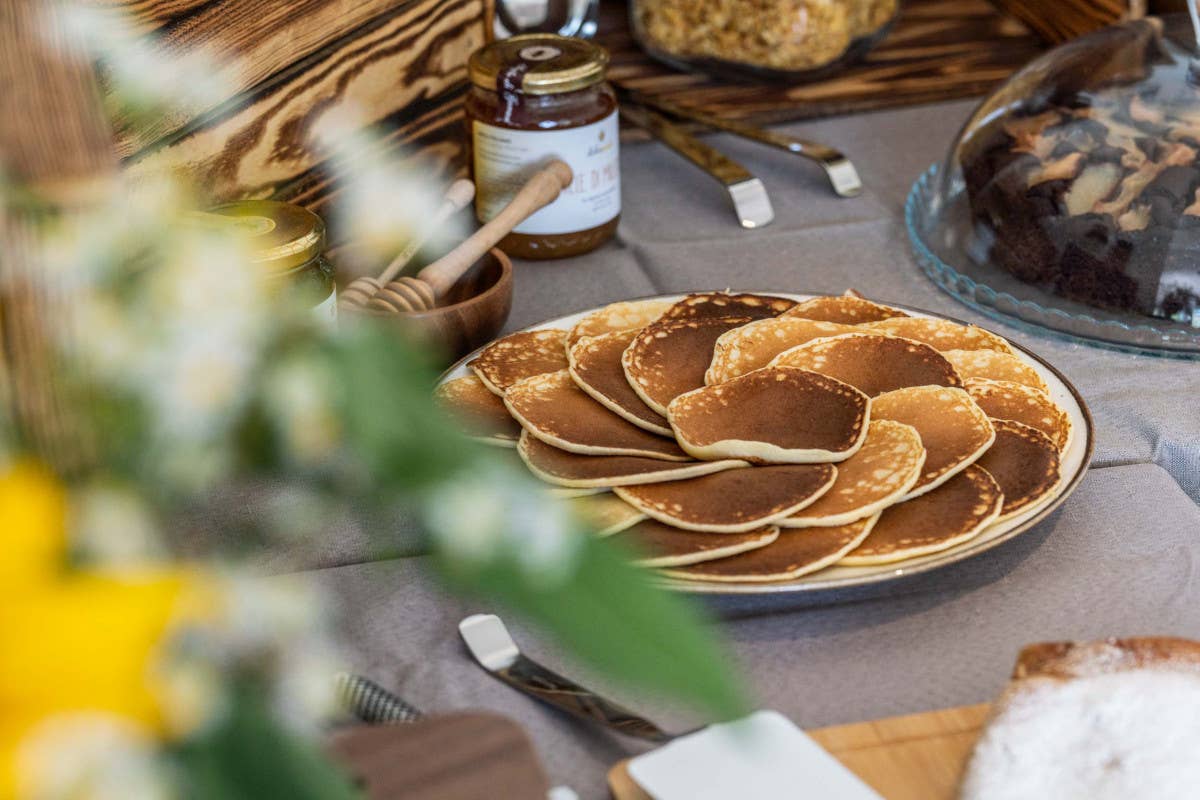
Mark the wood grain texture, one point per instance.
(414, 60)
(246, 42)
(1063, 20)
(914, 757)
(54, 142)
(462, 756)
(52, 126)
(937, 50)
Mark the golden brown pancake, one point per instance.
(942, 334)
(724, 304)
(733, 501)
(772, 415)
(1020, 403)
(1024, 461)
(659, 545)
(846, 309)
(953, 513)
(670, 357)
(606, 513)
(481, 413)
(751, 346)
(596, 368)
(954, 431)
(883, 470)
(794, 554)
(577, 471)
(628, 315)
(518, 356)
(552, 408)
(995, 366)
(872, 363)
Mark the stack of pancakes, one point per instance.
(749, 438)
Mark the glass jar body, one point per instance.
(789, 40)
(512, 133)
(310, 286)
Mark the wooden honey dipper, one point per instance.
(421, 293)
(361, 290)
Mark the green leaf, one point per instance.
(390, 418)
(249, 756)
(613, 618)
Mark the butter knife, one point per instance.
(749, 196)
(493, 647)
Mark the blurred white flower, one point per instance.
(467, 515)
(491, 512)
(91, 756)
(192, 692)
(297, 397)
(263, 614)
(111, 524)
(144, 74)
(304, 688)
(545, 539)
(382, 203)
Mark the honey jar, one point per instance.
(533, 98)
(287, 242)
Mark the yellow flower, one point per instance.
(33, 509)
(73, 641)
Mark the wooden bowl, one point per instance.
(472, 314)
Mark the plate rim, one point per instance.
(1065, 490)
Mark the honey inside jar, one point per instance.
(533, 98)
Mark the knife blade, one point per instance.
(494, 648)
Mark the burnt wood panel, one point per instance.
(246, 41)
(937, 50)
(414, 60)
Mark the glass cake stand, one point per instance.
(939, 229)
(1070, 200)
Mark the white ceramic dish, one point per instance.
(1074, 464)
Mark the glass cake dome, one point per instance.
(1070, 200)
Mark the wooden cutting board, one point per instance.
(915, 757)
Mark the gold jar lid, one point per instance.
(282, 236)
(552, 63)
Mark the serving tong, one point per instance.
(750, 199)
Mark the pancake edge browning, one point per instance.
(479, 372)
(671, 470)
(1049, 490)
(872, 509)
(938, 481)
(984, 523)
(742, 527)
(742, 543)
(808, 569)
(765, 452)
(573, 447)
(604, 400)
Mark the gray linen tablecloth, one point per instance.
(1120, 558)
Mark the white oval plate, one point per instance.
(1074, 464)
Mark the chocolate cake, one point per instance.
(1090, 185)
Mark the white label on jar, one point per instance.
(325, 312)
(505, 159)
